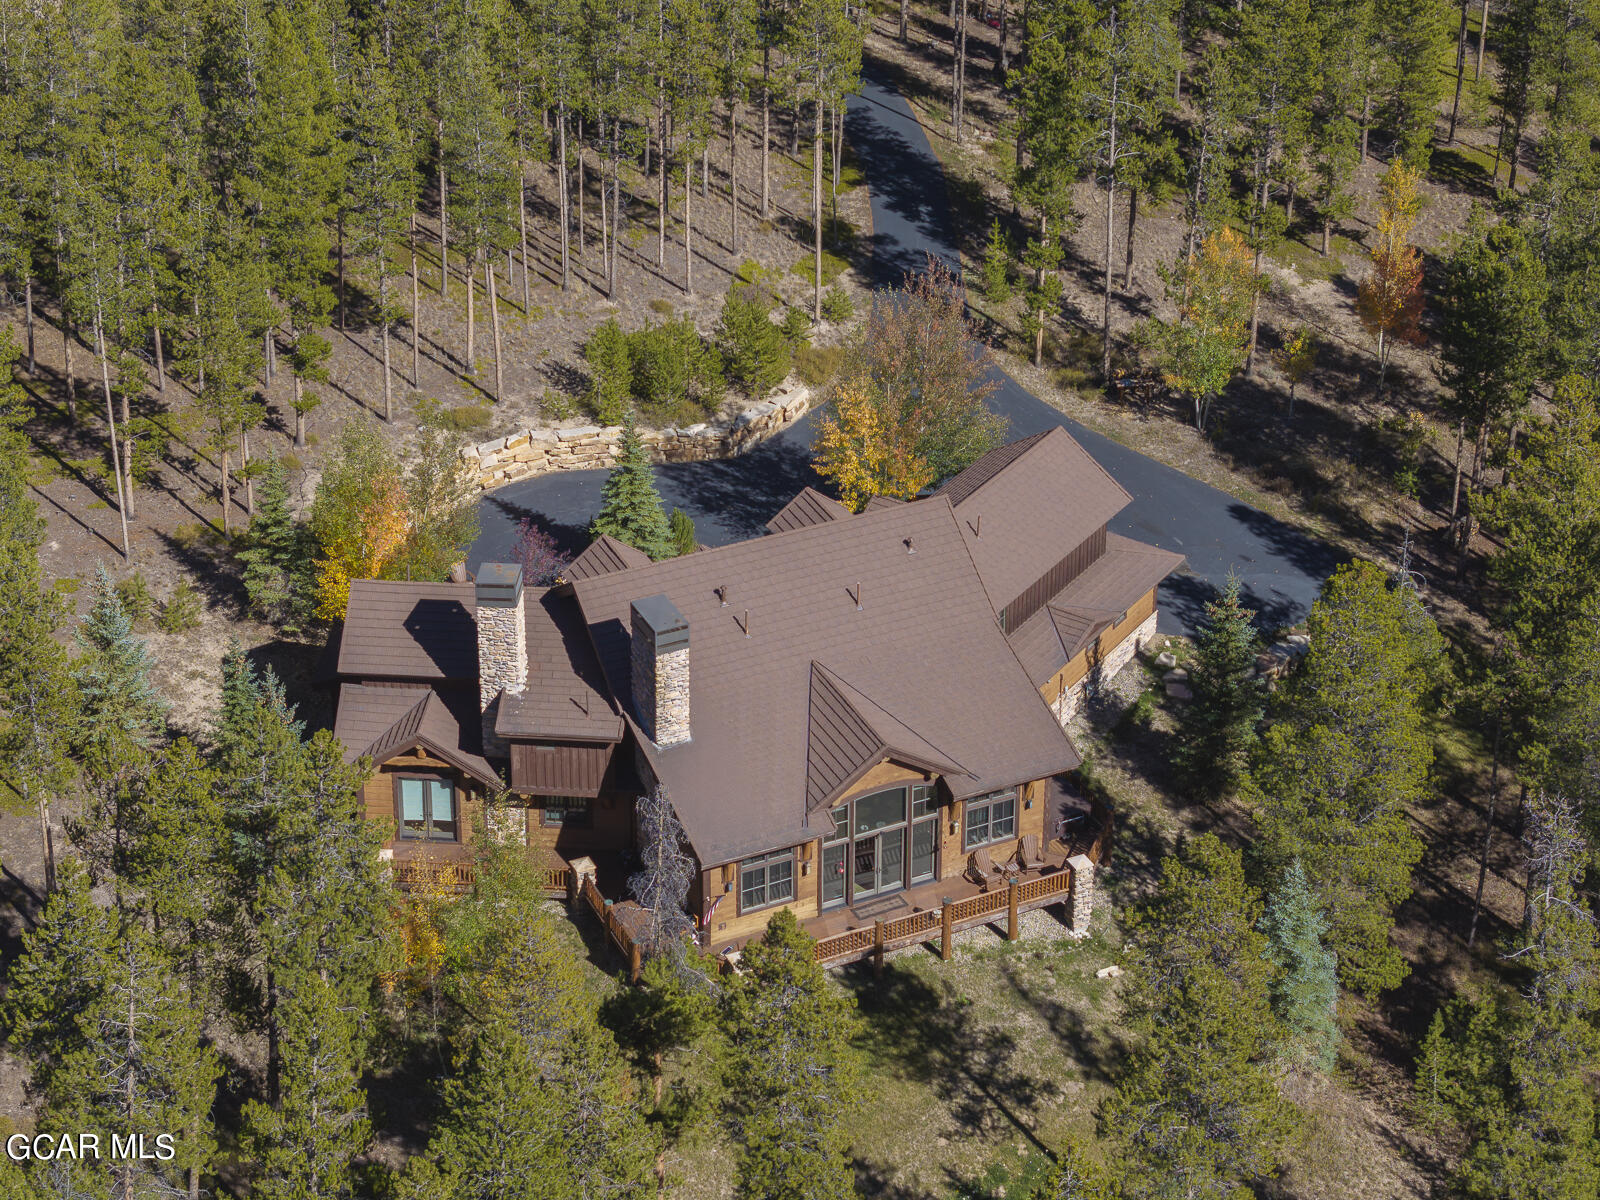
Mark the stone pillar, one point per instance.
(1081, 902)
(659, 661)
(502, 644)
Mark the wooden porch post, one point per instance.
(946, 930)
(877, 947)
(1011, 909)
(572, 889)
(635, 962)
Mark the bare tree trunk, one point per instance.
(472, 349)
(705, 170)
(494, 321)
(905, 21)
(1488, 826)
(244, 469)
(816, 214)
(766, 138)
(1461, 71)
(662, 193)
(616, 227)
(688, 225)
(1455, 491)
(444, 230)
(733, 173)
(161, 359)
(72, 380)
(47, 845)
(565, 200)
(1327, 236)
(1255, 314)
(1002, 53)
(1133, 217)
(27, 305)
(1483, 33)
(339, 236)
(383, 337)
(583, 236)
(522, 230)
(1366, 118)
(111, 425)
(416, 306)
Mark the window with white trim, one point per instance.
(766, 880)
(990, 819)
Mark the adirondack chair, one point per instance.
(981, 869)
(1028, 856)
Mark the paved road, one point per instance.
(1281, 569)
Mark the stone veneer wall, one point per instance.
(535, 451)
(1080, 904)
(502, 664)
(1065, 705)
(660, 688)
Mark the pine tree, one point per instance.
(1345, 758)
(1076, 1176)
(753, 349)
(277, 555)
(1196, 1110)
(611, 373)
(1414, 41)
(791, 1073)
(123, 714)
(1218, 728)
(684, 539)
(630, 507)
(306, 1147)
(997, 266)
(1305, 991)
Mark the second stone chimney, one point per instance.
(660, 666)
(502, 643)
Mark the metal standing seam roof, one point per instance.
(382, 722)
(874, 503)
(1092, 602)
(1026, 505)
(396, 629)
(809, 507)
(604, 556)
(889, 603)
(564, 696)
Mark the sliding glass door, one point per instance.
(867, 853)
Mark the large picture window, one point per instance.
(427, 809)
(877, 846)
(766, 880)
(990, 819)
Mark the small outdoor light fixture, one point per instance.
(727, 885)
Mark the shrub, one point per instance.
(754, 349)
(664, 307)
(832, 267)
(468, 418)
(542, 562)
(137, 602)
(606, 352)
(181, 612)
(674, 369)
(557, 406)
(818, 364)
(836, 305)
(796, 326)
(681, 528)
(997, 266)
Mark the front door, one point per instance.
(880, 863)
(866, 871)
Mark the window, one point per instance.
(991, 818)
(568, 812)
(427, 809)
(766, 880)
(924, 800)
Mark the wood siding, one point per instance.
(1052, 581)
(610, 827)
(560, 768)
(1086, 659)
(377, 797)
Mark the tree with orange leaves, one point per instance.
(1215, 289)
(864, 454)
(1390, 297)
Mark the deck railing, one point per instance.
(459, 876)
(616, 931)
(942, 923)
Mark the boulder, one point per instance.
(1176, 675)
(1166, 660)
(1179, 691)
(1112, 972)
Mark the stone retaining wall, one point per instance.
(535, 451)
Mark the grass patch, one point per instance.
(66, 586)
(817, 365)
(665, 307)
(466, 418)
(832, 267)
(1308, 262)
(196, 534)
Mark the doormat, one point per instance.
(876, 908)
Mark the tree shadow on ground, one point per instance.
(922, 1031)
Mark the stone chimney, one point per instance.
(660, 664)
(502, 643)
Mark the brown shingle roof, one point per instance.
(1075, 615)
(874, 503)
(849, 734)
(396, 629)
(382, 722)
(604, 556)
(810, 507)
(565, 696)
(924, 646)
(1026, 505)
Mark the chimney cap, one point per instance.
(498, 585)
(667, 626)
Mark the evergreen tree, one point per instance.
(306, 1147)
(277, 555)
(1196, 1111)
(1305, 991)
(1076, 1176)
(681, 526)
(791, 1073)
(1218, 728)
(753, 349)
(1414, 41)
(123, 714)
(611, 372)
(1345, 758)
(630, 506)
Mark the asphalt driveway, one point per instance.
(1281, 569)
